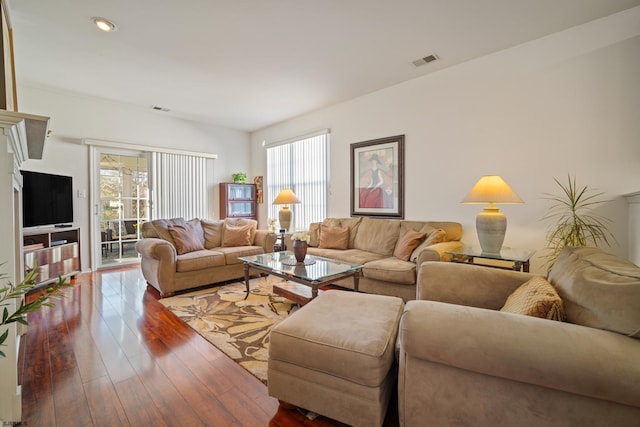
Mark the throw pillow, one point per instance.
(537, 298)
(436, 236)
(237, 236)
(186, 239)
(333, 237)
(162, 228)
(240, 222)
(408, 243)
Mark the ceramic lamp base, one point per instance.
(491, 226)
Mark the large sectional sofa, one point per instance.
(373, 242)
(463, 361)
(170, 266)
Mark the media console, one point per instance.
(55, 251)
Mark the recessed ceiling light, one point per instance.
(104, 24)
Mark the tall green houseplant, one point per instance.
(573, 222)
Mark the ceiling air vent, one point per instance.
(425, 60)
(166, 110)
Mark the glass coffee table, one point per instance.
(311, 274)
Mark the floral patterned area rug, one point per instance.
(237, 326)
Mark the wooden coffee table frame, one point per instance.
(296, 294)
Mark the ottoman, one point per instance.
(334, 356)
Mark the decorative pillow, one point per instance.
(212, 233)
(162, 228)
(436, 236)
(333, 237)
(240, 222)
(186, 239)
(408, 243)
(537, 298)
(237, 236)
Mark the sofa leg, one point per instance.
(287, 406)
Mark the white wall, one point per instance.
(564, 104)
(75, 117)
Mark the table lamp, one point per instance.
(286, 197)
(491, 224)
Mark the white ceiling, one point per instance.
(246, 64)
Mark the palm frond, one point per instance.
(572, 222)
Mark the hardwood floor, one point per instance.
(108, 354)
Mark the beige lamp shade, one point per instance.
(286, 197)
(491, 224)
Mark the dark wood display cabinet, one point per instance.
(55, 251)
(238, 200)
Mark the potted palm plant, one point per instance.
(572, 220)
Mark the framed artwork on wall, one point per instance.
(377, 178)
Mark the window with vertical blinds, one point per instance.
(180, 186)
(303, 166)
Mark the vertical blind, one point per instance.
(180, 188)
(302, 166)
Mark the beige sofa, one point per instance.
(372, 243)
(462, 362)
(168, 271)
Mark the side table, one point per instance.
(519, 258)
(280, 245)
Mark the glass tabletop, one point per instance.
(506, 254)
(321, 268)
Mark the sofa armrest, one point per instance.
(561, 356)
(466, 284)
(438, 251)
(266, 239)
(157, 249)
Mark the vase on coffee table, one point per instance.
(300, 250)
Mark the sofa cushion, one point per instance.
(377, 235)
(199, 260)
(314, 234)
(162, 228)
(232, 253)
(212, 233)
(536, 298)
(197, 228)
(236, 236)
(435, 236)
(185, 238)
(407, 243)
(334, 237)
(391, 270)
(598, 289)
(148, 230)
(352, 256)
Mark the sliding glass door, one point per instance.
(122, 182)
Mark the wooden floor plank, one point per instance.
(104, 404)
(109, 354)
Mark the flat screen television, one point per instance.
(47, 199)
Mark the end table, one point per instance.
(519, 258)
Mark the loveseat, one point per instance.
(178, 255)
(390, 250)
(464, 362)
